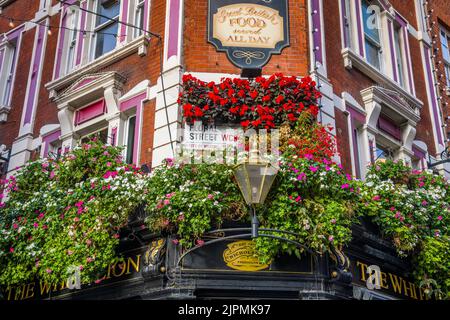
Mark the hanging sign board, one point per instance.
(249, 31)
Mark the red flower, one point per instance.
(198, 112)
(279, 99)
(245, 123)
(253, 94)
(266, 98)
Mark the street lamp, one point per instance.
(255, 178)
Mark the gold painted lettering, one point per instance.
(136, 264)
(363, 270)
(45, 287)
(396, 283)
(30, 291)
(9, 290)
(123, 268)
(383, 280)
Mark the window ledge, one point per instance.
(4, 111)
(351, 59)
(4, 3)
(138, 45)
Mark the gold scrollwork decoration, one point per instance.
(249, 55)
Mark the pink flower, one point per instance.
(333, 221)
(327, 168)
(45, 165)
(210, 196)
(166, 202)
(89, 259)
(345, 186)
(175, 241)
(298, 199)
(200, 242)
(166, 222)
(52, 174)
(392, 209)
(36, 225)
(108, 164)
(106, 153)
(44, 227)
(376, 198)
(79, 204)
(440, 218)
(424, 203)
(48, 271)
(76, 219)
(309, 156)
(69, 252)
(398, 215)
(421, 184)
(301, 176)
(11, 249)
(331, 238)
(81, 267)
(313, 169)
(98, 281)
(41, 216)
(181, 217)
(88, 242)
(2, 205)
(37, 264)
(93, 185)
(15, 226)
(116, 236)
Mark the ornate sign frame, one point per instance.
(250, 57)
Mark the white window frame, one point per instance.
(138, 17)
(445, 44)
(126, 136)
(368, 39)
(400, 64)
(7, 72)
(93, 132)
(348, 23)
(99, 28)
(71, 40)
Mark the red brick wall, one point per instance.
(24, 10)
(133, 67)
(441, 17)
(201, 56)
(353, 81)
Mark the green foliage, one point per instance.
(65, 214)
(412, 208)
(190, 199)
(312, 199)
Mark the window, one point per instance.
(101, 135)
(399, 55)
(139, 17)
(347, 16)
(7, 68)
(72, 34)
(383, 153)
(372, 40)
(131, 126)
(106, 27)
(445, 41)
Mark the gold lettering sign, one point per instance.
(248, 25)
(241, 255)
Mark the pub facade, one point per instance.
(71, 69)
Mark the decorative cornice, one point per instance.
(353, 60)
(137, 45)
(394, 101)
(95, 82)
(4, 111)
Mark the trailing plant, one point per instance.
(189, 199)
(65, 214)
(262, 103)
(412, 208)
(312, 199)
